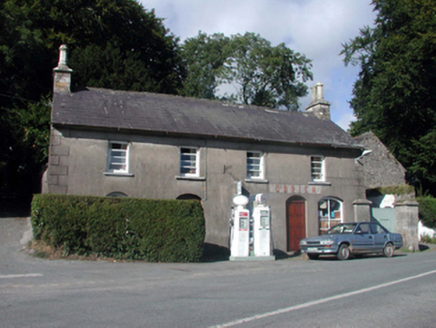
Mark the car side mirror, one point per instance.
(358, 232)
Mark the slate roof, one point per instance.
(158, 113)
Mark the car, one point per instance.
(354, 238)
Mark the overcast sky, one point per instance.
(315, 28)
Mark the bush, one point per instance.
(428, 239)
(427, 211)
(122, 228)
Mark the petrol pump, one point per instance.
(240, 235)
(262, 227)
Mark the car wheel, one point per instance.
(389, 250)
(343, 252)
(312, 256)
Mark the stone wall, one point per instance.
(380, 167)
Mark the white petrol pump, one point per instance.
(241, 245)
(262, 227)
(240, 236)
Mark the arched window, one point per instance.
(188, 197)
(330, 213)
(116, 194)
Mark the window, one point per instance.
(116, 194)
(363, 229)
(254, 165)
(189, 159)
(118, 157)
(317, 168)
(377, 229)
(330, 214)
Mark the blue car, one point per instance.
(346, 239)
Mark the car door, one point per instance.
(380, 236)
(363, 239)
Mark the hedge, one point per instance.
(122, 228)
(427, 211)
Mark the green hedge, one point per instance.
(122, 228)
(427, 211)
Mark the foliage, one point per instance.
(25, 144)
(427, 211)
(112, 44)
(428, 240)
(265, 75)
(204, 57)
(123, 228)
(395, 95)
(397, 190)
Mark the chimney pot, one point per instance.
(62, 73)
(319, 106)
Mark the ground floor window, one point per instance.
(188, 197)
(330, 213)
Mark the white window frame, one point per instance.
(124, 164)
(190, 167)
(253, 167)
(317, 173)
(330, 215)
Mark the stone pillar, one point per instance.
(406, 222)
(362, 210)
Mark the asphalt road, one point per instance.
(368, 292)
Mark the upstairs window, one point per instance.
(189, 161)
(317, 168)
(255, 165)
(118, 157)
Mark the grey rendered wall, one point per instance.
(154, 168)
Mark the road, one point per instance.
(368, 292)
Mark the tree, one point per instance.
(395, 94)
(112, 44)
(265, 75)
(204, 57)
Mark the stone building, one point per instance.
(381, 168)
(138, 144)
(392, 201)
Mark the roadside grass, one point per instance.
(41, 250)
(428, 239)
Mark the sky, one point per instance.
(314, 28)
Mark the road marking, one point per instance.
(317, 302)
(21, 275)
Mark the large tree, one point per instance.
(263, 74)
(395, 94)
(112, 44)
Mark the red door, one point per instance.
(296, 223)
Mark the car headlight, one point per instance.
(327, 242)
(303, 242)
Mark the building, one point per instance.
(145, 145)
(381, 168)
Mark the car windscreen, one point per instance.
(342, 228)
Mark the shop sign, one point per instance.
(294, 189)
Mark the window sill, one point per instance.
(319, 183)
(191, 178)
(263, 181)
(119, 174)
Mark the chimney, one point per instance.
(62, 73)
(319, 106)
